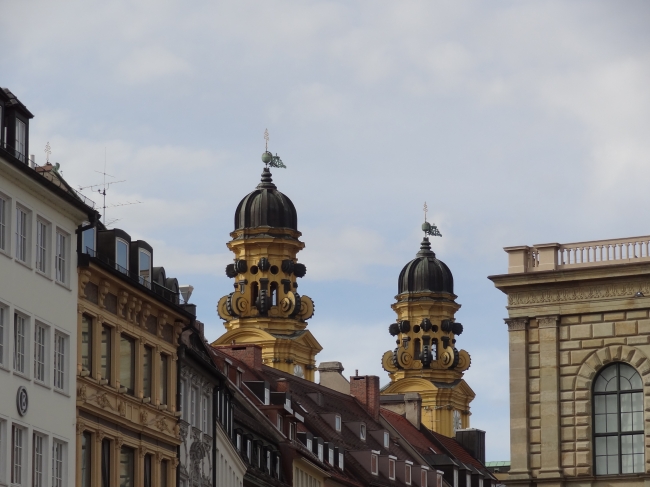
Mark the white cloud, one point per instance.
(148, 64)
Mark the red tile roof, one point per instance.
(410, 433)
(457, 450)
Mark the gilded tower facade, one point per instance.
(265, 306)
(425, 359)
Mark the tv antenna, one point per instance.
(101, 189)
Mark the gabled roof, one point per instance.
(456, 450)
(410, 433)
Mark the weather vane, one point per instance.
(268, 158)
(48, 151)
(429, 228)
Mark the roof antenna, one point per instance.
(269, 159)
(48, 151)
(429, 228)
(102, 187)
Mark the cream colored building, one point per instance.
(579, 333)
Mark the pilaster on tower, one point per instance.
(265, 307)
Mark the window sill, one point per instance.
(43, 274)
(7, 254)
(42, 384)
(60, 391)
(23, 263)
(22, 375)
(6, 369)
(63, 285)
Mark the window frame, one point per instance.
(42, 246)
(21, 252)
(337, 422)
(108, 345)
(163, 380)
(18, 473)
(61, 259)
(41, 348)
(127, 338)
(86, 457)
(24, 370)
(147, 371)
(61, 352)
(39, 457)
(4, 328)
(362, 431)
(89, 344)
(118, 266)
(20, 137)
(374, 464)
(391, 469)
(145, 280)
(5, 223)
(619, 434)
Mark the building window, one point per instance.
(309, 444)
(122, 256)
(147, 367)
(292, 431)
(164, 372)
(618, 420)
(57, 463)
(386, 439)
(423, 479)
(88, 240)
(362, 431)
(277, 466)
(41, 245)
(61, 242)
(181, 402)
(341, 460)
(391, 469)
(86, 343)
(39, 352)
(457, 421)
(248, 449)
(126, 467)
(268, 461)
(407, 475)
(21, 234)
(20, 330)
(17, 455)
(38, 460)
(279, 423)
(204, 414)
(21, 136)
(238, 442)
(145, 268)
(59, 360)
(193, 405)
(127, 363)
(164, 472)
(105, 359)
(3, 312)
(337, 422)
(3, 224)
(106, 463)
(320, 451)
(373, 464)
(86, 455)
(147, 471)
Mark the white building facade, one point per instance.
(39, 215)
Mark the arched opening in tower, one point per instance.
(274, 294)
(417, 349)
(255, 291)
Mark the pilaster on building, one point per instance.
(579, 334)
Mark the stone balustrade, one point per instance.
(555, 256)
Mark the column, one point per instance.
(518, 354)
(549, 396)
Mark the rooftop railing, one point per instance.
(555, 256)
(8, 150)
(166, 293)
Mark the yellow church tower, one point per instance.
(426, 360)
(265, 307)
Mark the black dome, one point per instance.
(425, 273)
(266, 207)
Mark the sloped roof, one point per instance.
(457, 450)
(421, 443)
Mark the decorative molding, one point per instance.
(516, 324)
(82, 392)
(548, 321)
(84, 278)
(122, 299)
(100, 319)
(81, 427)
(100, 435)
(119, 442)
(102, 401)
(121, 407)
(81, 309)
(569, 294)
(146, 311)
(104, 287)
(162, 426)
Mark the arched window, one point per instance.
(618, 420)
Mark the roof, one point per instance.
(13, 101)
(457, 450)
(410, 433)
(499, 463)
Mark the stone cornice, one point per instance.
(516, 324)
(578, 293)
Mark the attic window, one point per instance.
(320, 451)
(337, 423)
(309, 444)
(423, 478)
(341, 460)
(373, 464)
(386, 439)
(121, 256)
(391, 469)
(238, 383)
(330, 458)
(362, 431)
(292, 430)
(20, 140)
(407, 474)
(145, 268)
(279, 424)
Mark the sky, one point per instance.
(517, 122)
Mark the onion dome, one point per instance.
(425, 273)
(266, 207)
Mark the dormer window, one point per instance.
(423, 478)
(309, 444)
(320, 451)
(21, 138)
(249, 445)
(337, 423)
(386, 439)
(341, 460)
(362, 431)
(279, 423)
(374, 462)
(330, 456)
(267, 396)
(88, 241)
(407, 474)
(391, 469)
(122, 256)
(145, 267)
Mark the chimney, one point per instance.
(366, 389)
(413, 408)
(251, 355)
(282, 385)
(331, 376)
(473, 440)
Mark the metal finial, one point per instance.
(429, 228)
(266, 138)
(48, 151)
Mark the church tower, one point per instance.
(426, 360)
(265, 307)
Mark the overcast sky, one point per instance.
(518, 123)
